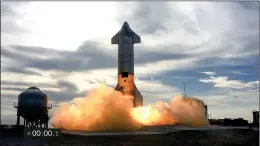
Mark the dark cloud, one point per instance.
(147, 57)
(9, 15)
(145, 20)
(20, 70)
(68, 90)
(157, 17)
(252, 43)
(68, 86)
(88, 56)
(250, 5)
(9, 8)
(19, 83)
(11, 89)
(154, 17)
(246, 19)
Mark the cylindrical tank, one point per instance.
(32, 104)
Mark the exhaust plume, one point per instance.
(105, 109)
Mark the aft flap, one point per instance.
(138, 100)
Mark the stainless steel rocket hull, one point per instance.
(126, 38)
(128, 87)
(138, 98)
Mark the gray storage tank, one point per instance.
(33, 107)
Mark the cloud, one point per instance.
(209, 73)
(9, 17)
(240, 73)
(143, 16)
(62, 90)
(88, 56)
(228, 103)
(224, 82)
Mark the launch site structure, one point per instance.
(33, 107)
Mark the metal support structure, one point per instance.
(184, 89)
(18, 120)
(36, 124)
(40, 123)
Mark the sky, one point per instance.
(64, 49)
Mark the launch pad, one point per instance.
(239, 137)
(153, 130)
(133, 133)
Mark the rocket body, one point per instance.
(125, 39)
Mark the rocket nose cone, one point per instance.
(125, 24)
(126, 27)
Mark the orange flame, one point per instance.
(104, 109)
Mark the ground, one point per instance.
(239, 137)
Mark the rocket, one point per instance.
(125, 39)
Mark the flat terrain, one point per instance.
(214, 137)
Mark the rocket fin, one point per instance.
(114, 39)
(136, 38)
(138, 98)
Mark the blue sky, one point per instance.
(212, 47)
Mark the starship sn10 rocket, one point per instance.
(126, 38)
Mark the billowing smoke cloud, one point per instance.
(104, 109)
